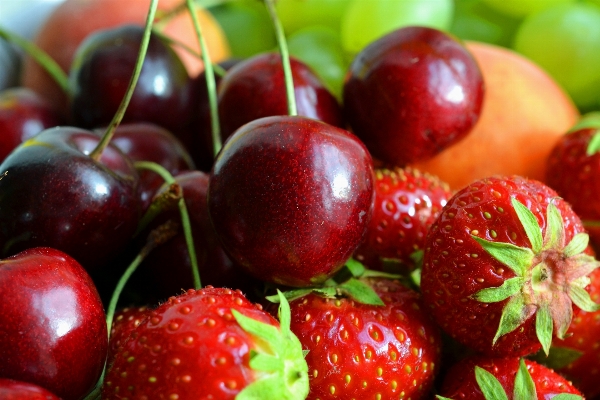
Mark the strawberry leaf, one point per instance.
(582, 299)
(524, 386)
(518, 259)
(256, 328)
(544, 327)
(594, 145)
(577, 245)
(558, 358)
(514, 314)
(356, 268)
(361, 292)
(509, 288)
(489, 385)
(530, 224)
(285, 315)
(437, 396)
(567, 396)
(265, 362)
(554, 235)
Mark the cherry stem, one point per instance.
(118, 117)
(41, 57)
(211, 86)
(285, 58)
(185, 217)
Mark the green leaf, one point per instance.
(529, 223)
(544, 327)
(285, 315)
(507, 289)
(558, 358)
(582, 299)
(265, 362)
(524, 386)
(554, 235)
(356, 268)
(518, 259)
(437, 396)
(588, 120)
(567, 396)
(577, 245)
(256, 328)
(489, 385)
(514, 313)
(361, 292)
(594, 145)
(290, 295)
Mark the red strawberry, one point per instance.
(15, 390)
(480, 378)
(573, 169)
(406, 205)
(211, 344)
(124, 323)
(577, 357)
(362, 351)
(503, 265)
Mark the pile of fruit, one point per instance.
(316, 199)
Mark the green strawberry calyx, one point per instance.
(524, 386)
(551, 276)
(282, 371)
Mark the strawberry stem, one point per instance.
(118, 117)
(210, 81)
(285, 58)
(41, 57)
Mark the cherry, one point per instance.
(103, 65)
(143, 141)
(255, 88)
(290, 198)
(54, 329)
(23, 114)
(15, 390)
(412, 93)
(53, 194)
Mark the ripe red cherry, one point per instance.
(255, 88)
(412, 93)
(290, 198)
(23, 114)
(53, 194)
(15, 390)
(53, 324)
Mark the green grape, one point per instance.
(565, 40)
(320, 48)
(247, 25)
(474, 20)
(297, 14)
(365, 21)
(523, 8)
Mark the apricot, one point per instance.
(524, 114)
(73, 20)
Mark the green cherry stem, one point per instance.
(118, 117)
(211, 86)
(285, 58)
(185, 217)
(41, 57)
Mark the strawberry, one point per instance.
(484, 378)
(211, 344)
(577, 357)
(406, 205)
(124, 322)
(572, 170)
(385, 350)
(503, 265)
(16, 390)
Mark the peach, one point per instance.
(73, 20)
(524, 113)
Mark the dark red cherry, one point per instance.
(16, 390)
(412, 93)
(255, 88)
(142, 141)
(23, 114)
(53, 194)
(53, 324)
(290, 198)
(100, 74)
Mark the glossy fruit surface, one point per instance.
(413, 93)
(53, 320)
(290, 198)
(100, 74)
(53, 194)
(15, 390)
(365, 351)
(505, 233)
(23, 114)
(255, 88)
